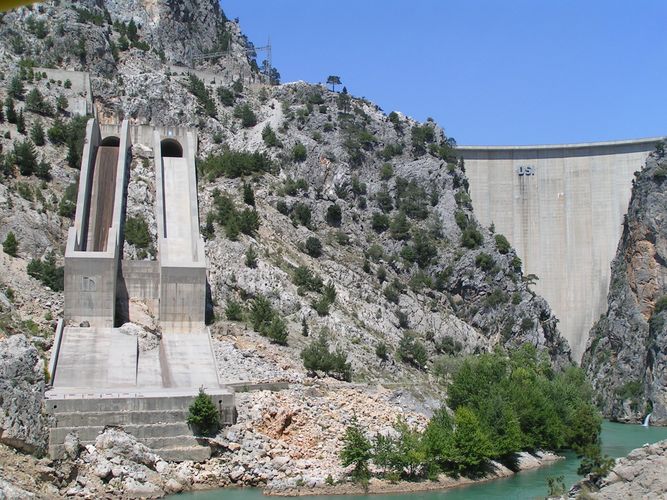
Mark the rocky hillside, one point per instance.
(627, 349)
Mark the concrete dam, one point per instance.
(562, 209)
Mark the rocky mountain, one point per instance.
(340, 221)
(627, 349)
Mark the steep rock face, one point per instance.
(627, 349)
(22, 424)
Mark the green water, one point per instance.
(617, 441)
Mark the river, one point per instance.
(617, 441)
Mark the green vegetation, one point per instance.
(251, 257)
(380, 222)
(356, 451)
(11, 245)
(318, 357)
(502, 244)
(245, 113)
(501, 405)
(301, 214)
(234, 311)
(471, 237)
(71, 134)
(234, 164)
(37, 134)
(25, 157)
(265, 320)
(67, 205)
(198, 89)
(306, 280)
(412, 351)
(299, 152)
(269, 136)
(226, 96)
(36, 103)
(203, 414)
(248, 194)
(334, 215)
(48, 272)
(313, 246)
(137, 233)
(234, 221)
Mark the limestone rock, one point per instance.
(22, 423)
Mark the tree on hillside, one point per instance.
(333, 80)
(11, 245)
(356, 451)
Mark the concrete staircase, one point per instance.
(157, 420)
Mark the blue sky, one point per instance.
(489, 72)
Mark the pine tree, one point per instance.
(11, 112)
(251, 257)
(356, 451)
(25, 156)
(248, 194)
(203, 415)
(333, 80)
(16, 89)
(11, 245)
(37, 134)
(20, 123)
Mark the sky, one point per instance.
(490, 72)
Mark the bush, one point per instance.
(301, 214)
(502, 244)
(137, 233)
(25, 157)
(251, 257)
(11, 245)
(234, 311)
(235, 164)
(269, 137)
(334, 215)
(67, 206)
(234, 221)
(299, 152)
(380, 222)
(318, 357)
(36, 103)
(37, 134)
(484, 261)
(412, 351)
(265, 321)
(400, 227)
(48, 272)
(246, 115)
(356, 451)
(248, 194)
(198, 89)
(471, 238)
(313, 247)
(306, 280)
(203, 414)
(226, 96)
(381, 351)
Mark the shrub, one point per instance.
(234, 311)
(334, 215)
(226, 96)
(246, 115)
(48, 272)
(447, 345)
(11, 245)
(67, 206)
(25, 157)
(137, 233)
(484, 261)
(313, 246)
(37, 134)
(282, 207)
(269, 137)
(36, 103)
(11, 111)
(318, 357)
(471, 238)
(400, 227)
(380, 222)
(277, 331)
(502, 244)
(198, 89)
(251, 257)
(386, 172)
(16, 90)
(301, 214)
(305, 279)
(384, 201)
(299, 152)
(261, 314)
(496, 298)
(235, 164)
(381, 351)
(412, 351)
(203, 414)
(248, 194)
(391, 294)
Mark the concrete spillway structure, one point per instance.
(562, 209)
(100, 373)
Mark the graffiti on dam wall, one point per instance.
(525, 170)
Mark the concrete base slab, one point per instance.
(96, 357)
(189, 360)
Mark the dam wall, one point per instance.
(562, 208)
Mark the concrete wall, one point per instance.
(91, 277)
(562, 209)
(78, 105)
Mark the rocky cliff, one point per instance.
(627, 349)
